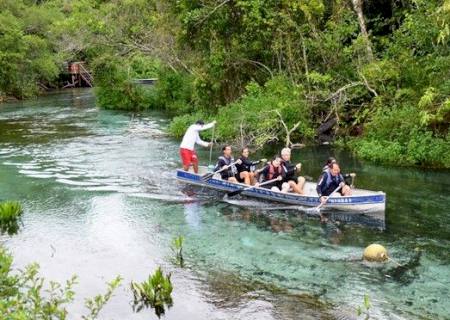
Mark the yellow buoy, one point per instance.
(375, 252)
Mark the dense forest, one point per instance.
(373, 76)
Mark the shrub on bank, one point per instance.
(399, 137)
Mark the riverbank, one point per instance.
(366, 76)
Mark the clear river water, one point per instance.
(100, 200)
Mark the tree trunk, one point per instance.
(358, 5)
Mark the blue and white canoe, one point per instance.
(360, 201)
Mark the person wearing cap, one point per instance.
(187, 146)
(290, 172)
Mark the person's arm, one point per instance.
(205, 126)
(199, 141)
(219, 165)
(321, 184)
(288, 171)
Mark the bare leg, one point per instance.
(346, 191)
(195, 164)
(295, 187)
(232, 179)
(252, 178)
(246, 176)
(301, 182)
(185, 168)
(285, 187)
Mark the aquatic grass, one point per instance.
(155, 292)
(10, 212)
(364, 308)
(177, 248)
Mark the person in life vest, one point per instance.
(190, 138)
(272, 171)
(290, 172)
(348, 177)
(246, 169)
(226, 161)
(329, 180)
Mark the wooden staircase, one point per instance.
(86, 75)
(80, 76)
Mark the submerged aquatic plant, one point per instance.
(177, 247)
(155, 292)
(365, 307)
(10, 211)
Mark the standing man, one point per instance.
(192, 137)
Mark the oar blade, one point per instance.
(207, 176)
(234, 193)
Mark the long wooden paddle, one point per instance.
(208, 176)
(317, 209)
(210, 147)
(233, 193)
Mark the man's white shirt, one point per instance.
(191, 137)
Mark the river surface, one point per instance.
(100, 200)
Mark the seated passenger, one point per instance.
(246, 170)
(329, 181)
(226, 160)
(272, 171)
(348, 177)
(290, 171)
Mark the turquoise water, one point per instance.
(100, 200)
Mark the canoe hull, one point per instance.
(363, 201)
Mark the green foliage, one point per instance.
(114, 86)
(96, 304)
(10, 212)
(253, 120)
(179, 124)
(27, 58)
(173, 92)
(177, 248)
(155, 292)
(24, 294)
(243, 61)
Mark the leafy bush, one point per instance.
(156, 292)
(253, 118)
(114, 86)
(179, 125)
(10, 212)
(26, 295)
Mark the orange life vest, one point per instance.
(273, 172)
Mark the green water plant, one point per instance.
(155, 292)
(25, 294)
(10, 212)
(364, 308)
(177, 248)
(96, 304)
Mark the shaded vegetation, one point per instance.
(374, 76)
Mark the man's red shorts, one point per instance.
(188, 157)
